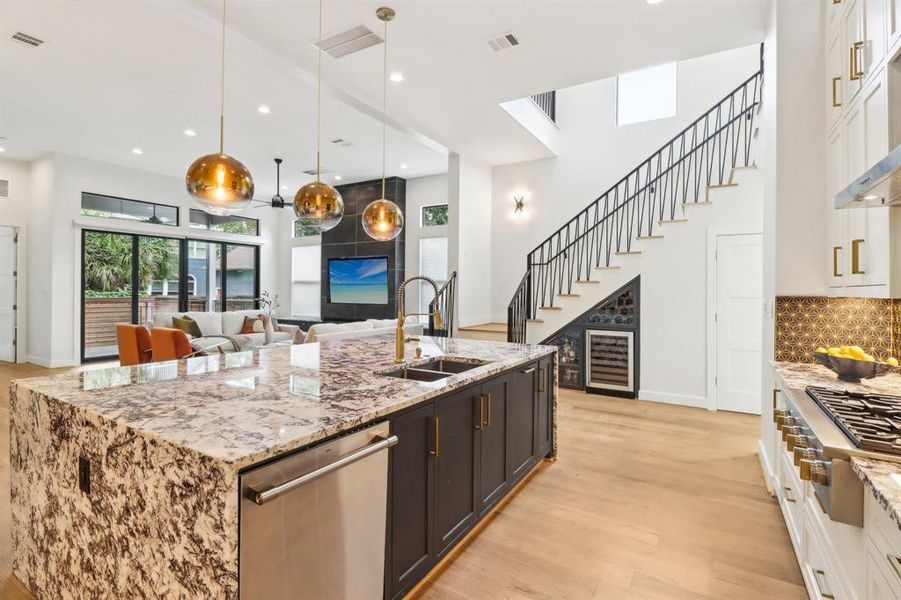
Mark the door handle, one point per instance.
(855, 73)
(835, 271)
(436, 437)
(541, 376)
(481, 400)
(835, 102)
(377, 445)
(855, 257)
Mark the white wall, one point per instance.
(421, 191)
(470, 238)
(593, 155)
(54, 224)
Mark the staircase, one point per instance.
(682, 173)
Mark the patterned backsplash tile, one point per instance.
(804, 323)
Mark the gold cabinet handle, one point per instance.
(855, 73)
(822, 585)
(789, 497)
(855, 257)
(775, 395)
(481, 412)
(835, 101)
(836, 1)
(436, 437)
(489, 410)
(895, 561)
(541, 375)
(835, 271)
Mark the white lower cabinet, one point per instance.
(883, 552)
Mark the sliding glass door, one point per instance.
(127, 278)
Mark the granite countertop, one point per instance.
(883, 478)
(246, 407)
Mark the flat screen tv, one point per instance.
(362, 280)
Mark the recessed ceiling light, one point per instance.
(263, 109)
(654, 1)
(397, 77)
(284, 187)
(403, 165)
(190, 132)
(137, 151)
(337, 178)
(2, 149)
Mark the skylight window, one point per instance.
(646, 95)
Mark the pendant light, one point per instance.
(317, 204)
(383, 219)
(218, 183)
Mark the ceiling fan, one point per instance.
(277, 201)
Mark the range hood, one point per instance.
(879, 186)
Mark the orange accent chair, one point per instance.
(170, 344)
(134, 344)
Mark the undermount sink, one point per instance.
(435, 369)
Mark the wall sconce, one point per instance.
(518, 203)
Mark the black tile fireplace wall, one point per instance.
(348, 239)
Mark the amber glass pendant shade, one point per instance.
(219, 184)
(319, 206)
(383, 220)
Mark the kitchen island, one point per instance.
(125, 481)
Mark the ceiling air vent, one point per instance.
(342, 142)
(503, 42)
(322, 171)
(4, 188)
(350, 41)
(24, 38)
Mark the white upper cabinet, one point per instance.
(853, 38)
(834, 77)
(838, 261)
(875, 13)
(893, 25)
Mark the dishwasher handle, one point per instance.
(377, 445)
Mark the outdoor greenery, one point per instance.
(302, 229)
(433, 216)
(107, 263)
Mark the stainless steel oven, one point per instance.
(312, 525)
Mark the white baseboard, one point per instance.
(769, 474)
(667, 398)
(49, 364)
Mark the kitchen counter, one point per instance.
(881, 477)
(124, 481)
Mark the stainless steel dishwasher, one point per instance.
(312, 525)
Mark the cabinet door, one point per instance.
(835, 78)
(492, 446)
(411, 550)
(893, 16)
(857, 218)
(876, 122)
(876, 247)
(875, 13)
(455, 467)
(544, 418)
(837, 262)
(521, 421)
(853, 50)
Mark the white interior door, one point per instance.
(739, 322)
(7, 294)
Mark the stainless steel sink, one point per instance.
(417, 374)
(450, 365)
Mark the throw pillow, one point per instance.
(253, 325)
(188, 325)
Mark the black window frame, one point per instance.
(121, 198)
(208, 226)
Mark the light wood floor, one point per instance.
(646, 501)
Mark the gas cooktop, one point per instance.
(871, 421)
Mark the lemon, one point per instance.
(891, 361)
(820, 350)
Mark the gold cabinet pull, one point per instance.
(855, 257)
(855, 73)
(789, 496)
(835, 101)
(836, 1)
(489, 410)
(835, 271)
(481, 412)
(541, 374)
(436, 437)
(776, 395)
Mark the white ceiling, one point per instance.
(118, 75)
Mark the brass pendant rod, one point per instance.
(384, 105)
(222, 88)
(319, 91)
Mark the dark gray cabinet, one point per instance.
(492, 444)
(455, 467)
(456, 457)
(410, 551)
(544, 425)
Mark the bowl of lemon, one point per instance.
(852, 364)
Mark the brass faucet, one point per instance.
(399, 337)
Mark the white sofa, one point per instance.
(218, 328)
(324, 332)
